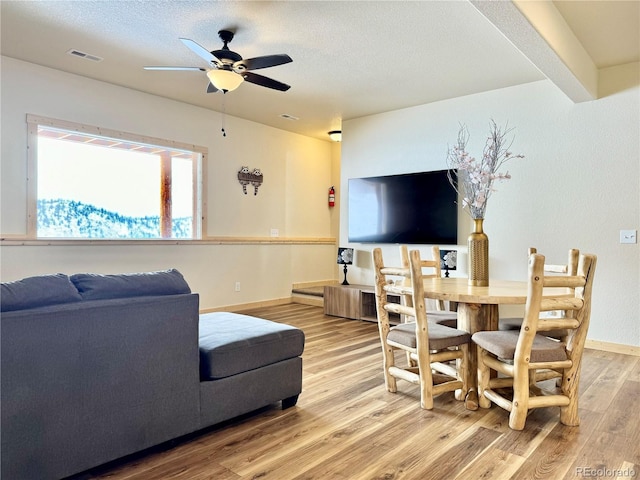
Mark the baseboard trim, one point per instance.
(613, 347)
(317, 283)
(246, 306)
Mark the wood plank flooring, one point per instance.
(347, 426)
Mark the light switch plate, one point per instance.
(628, 236)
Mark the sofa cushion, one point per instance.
(232, 343)
(40, 291)
(94, 286)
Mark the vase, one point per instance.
(478, 244)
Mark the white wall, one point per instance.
(293, 198)
(577, 187)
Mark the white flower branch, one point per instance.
(474, 179)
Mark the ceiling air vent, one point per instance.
(286, 116)
(88, 56)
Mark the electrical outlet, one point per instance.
(628, 236)
(275, 232)
(237, 286)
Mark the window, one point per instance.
(95, 184)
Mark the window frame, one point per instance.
(199, 176)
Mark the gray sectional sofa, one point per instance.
(96, 367)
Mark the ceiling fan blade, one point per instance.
(263, 62)
(265, 82)
(177, 68)
(211, 88)
(199, 50)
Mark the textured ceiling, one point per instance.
(350, 58)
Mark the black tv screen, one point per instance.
(414, 208)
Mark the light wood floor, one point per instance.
(347, 426)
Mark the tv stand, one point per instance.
(357, 302)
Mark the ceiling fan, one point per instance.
(228, 69)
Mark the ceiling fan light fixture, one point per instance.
(225, 80)
(335, 135)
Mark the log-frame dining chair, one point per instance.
(432, 269)
(525, 357)
(430, 345)
(570, 268)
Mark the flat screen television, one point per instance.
(414, 208)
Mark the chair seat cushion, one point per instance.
(231, 343)
(515, 324)
(503, 345)
(439, 336)
(441, 317)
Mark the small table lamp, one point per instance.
(448, 261)
(345, 257)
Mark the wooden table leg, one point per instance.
(472, 318)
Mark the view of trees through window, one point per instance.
(97, 187)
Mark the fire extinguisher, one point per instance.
(332, 197)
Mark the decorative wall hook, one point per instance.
(245, 177)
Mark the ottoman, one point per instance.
(246, 363)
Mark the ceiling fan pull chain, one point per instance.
(224, 113)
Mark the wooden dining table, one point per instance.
(478, 311)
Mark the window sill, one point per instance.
(10, 240)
